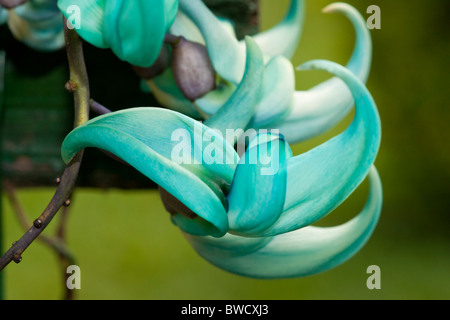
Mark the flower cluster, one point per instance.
(236, 213)
(37, 23)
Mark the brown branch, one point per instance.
(57, 243)
(79, 85)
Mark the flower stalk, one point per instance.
(80, 88)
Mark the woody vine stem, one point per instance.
(79, 86)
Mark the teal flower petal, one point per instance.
(225, 97)
(299, 253)
(175, 158)
(299, 115)
(321, 179)
(316, 110)
(227, 55)
(240, 108)
(3, 15)
(361, 58)
(126, 26)
(257, 195)
(211, 102)
(184, 27)
(134, 30)
(92, 16)
(277, 94)
(170, 12)
(38, 24)
(283, 38)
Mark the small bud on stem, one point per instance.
(71, 86)
(37, 223)
(17, 258)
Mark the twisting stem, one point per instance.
(78, 84)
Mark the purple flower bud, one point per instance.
(192, 68)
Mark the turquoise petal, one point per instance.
(317, 110)
(299, 253)
(277, 92)
(211, 102)
(170, 12)
(298, 114)
(38, 24)
(276, 95)
(134, 30)
(166, 90)
(227, 55)
(279, 85)
(175, 158)
(240, 108)
(92, 16)
(185, 27)
(283, 38)
(257, 195)
(278, 89)
(322, 178)
(3, 15)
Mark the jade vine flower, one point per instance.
(134, 30)
(298, 114)
(3, 15)
(233, 213)
(37, 23)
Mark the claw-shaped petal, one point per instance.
(3, 15)
(337, 166)
(283, 38)
(277, 94)
(316, 110)
(298, 115)
(299, 253)
(218, 41)
(279, 84)
(264, 164)
(173, 158)
(38, 24)
(241, 106)
(134, 30)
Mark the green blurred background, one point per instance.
(127, 248)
